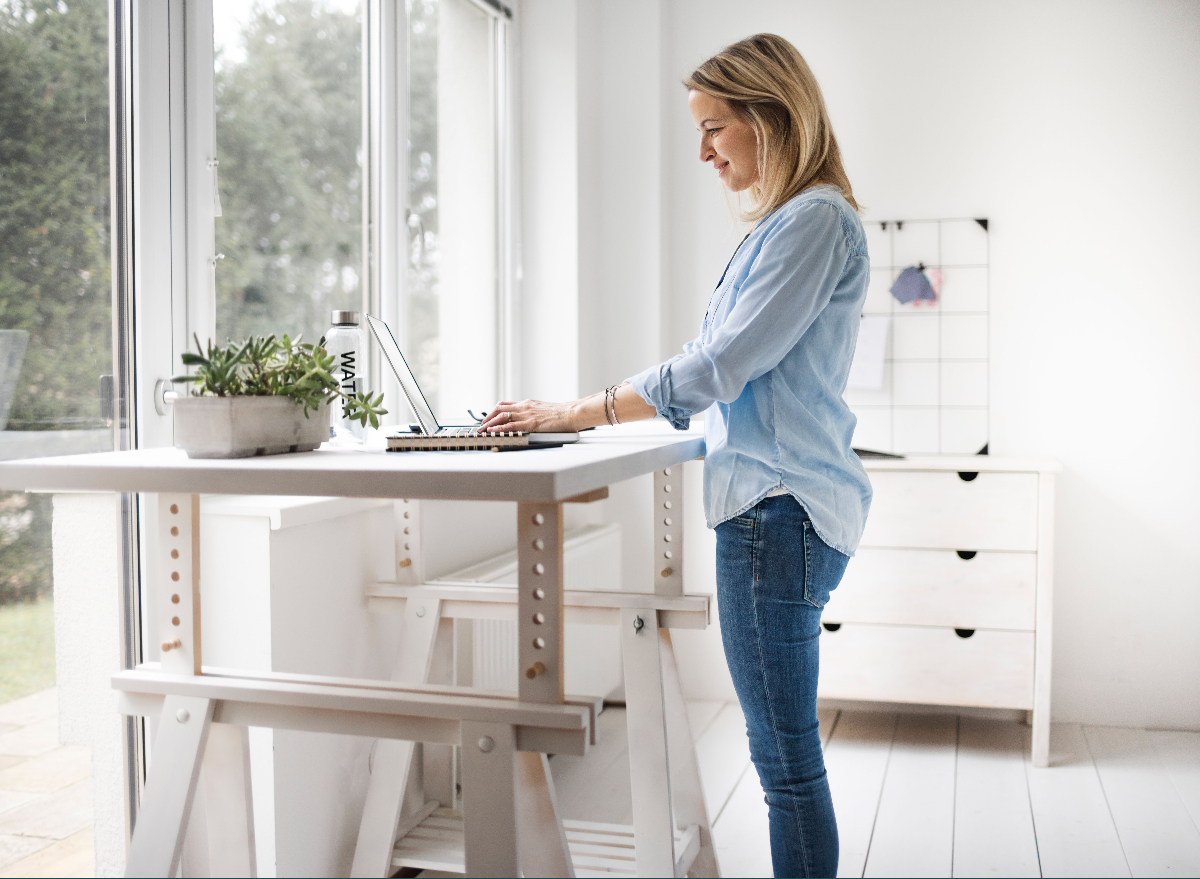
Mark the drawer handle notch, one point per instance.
(966, 554)
(831, 627)
(968, 475)
(964, 633)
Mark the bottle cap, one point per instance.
(345, 317)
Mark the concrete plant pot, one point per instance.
(241, 427)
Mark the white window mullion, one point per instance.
(386, 171)
(508, 211)
(201, 171)
(155, 228)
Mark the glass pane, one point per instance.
(451, 279)
(55, 343)
(289, 113)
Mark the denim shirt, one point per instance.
(770, 366)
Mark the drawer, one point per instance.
(927, 665)
(939, 510)
(930, 587)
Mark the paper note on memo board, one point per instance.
(866, 370)
(932, 395)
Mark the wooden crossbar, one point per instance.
(467, 600)
(377, 709)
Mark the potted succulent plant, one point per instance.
(263, 396)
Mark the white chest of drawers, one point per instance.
(948, 600)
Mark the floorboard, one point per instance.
(1075, 832)
(928, 795)
(723, 753)
(856, 759)
(701, 714)
(742, 835)
(596, 787)
(914, 830)
(1156, 831)
(1180, 755)
(993, 824)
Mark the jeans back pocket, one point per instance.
(823, 567)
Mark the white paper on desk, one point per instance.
(866, 370)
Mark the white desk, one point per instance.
(204, 711)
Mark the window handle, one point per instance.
(163, 397)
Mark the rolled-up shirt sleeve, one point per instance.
(793, 276)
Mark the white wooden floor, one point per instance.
(915, 794)
(939, 795)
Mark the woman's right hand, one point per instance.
(535, 416)
(532, 416)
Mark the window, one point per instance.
(455, 302)
(55, 294)
(289, 123)
(294, 188)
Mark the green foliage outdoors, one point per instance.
(289, 137)
(24, 547)
(54, 207)
(54, 276)
(26, 649)
(264, 366)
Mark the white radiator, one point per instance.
(592, 654)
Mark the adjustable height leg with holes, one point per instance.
(668, 798)
(493, 773)
(190, 749)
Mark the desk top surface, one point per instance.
(601, 457)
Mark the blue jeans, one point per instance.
(774, 574)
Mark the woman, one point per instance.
(783, 489)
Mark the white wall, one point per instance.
(1073, 127)
(85, 540)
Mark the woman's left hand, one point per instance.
(533, 416)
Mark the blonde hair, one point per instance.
(769, 85)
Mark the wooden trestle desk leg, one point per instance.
(542, 840)
(538, 820)
(664, 773)
(489, 799)
(391, 766)
(645, 715)
(157, 842)
(186, 730)
(686, 789)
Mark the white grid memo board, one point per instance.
(935, 393)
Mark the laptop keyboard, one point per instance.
(474, 431)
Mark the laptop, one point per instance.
(436, 437)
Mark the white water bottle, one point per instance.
(348, 345)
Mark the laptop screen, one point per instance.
(408, 382)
